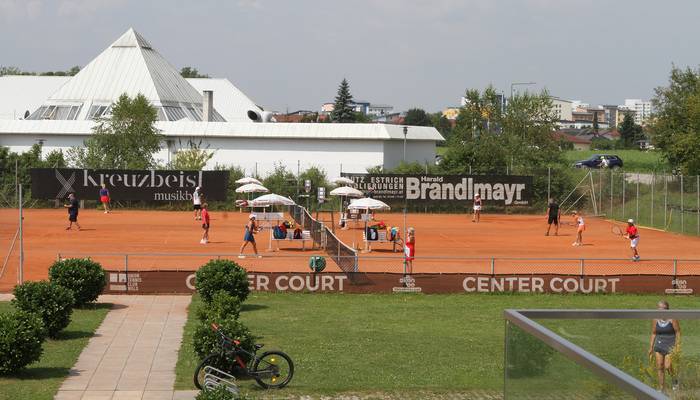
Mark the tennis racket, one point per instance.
(617, 230)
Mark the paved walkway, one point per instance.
(133, 353)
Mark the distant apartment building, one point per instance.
(562, 110)
(614, 114)
(642, 110)
(364, 107)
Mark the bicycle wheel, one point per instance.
(216, 360)
(273, 370)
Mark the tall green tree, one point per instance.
(630, 132)
(193, 156)
(493, 140)
(128, 139)
(442, 124)
(343, 108)
(675, 127)
(417, 117)
(191, 72)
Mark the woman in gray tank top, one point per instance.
(665, 339)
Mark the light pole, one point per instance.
(514, 84)
(405, 133)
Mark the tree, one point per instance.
(317, 176)
(193, 157)
(343, 108)
(630, 132)
(417, 117)
(16, 71)
(190, 72)
(442, 124)
(281, 181)
(675, 128)
(126, 140)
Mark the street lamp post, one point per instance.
(514, 84)
(405, 133)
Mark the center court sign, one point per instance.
(154, 282)
(506, 190)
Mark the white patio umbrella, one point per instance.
(252, 188)
(367, 203)
(343, 181)
(345, 191)
(246, 180)
(271, 199)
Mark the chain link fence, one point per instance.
(660, 201)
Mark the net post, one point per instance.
(126, 271)
(581, 266)
(675, 267)
(682, 212)
(493, 266)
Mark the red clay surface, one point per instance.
(444, 243)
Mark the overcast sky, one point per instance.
(408, 53)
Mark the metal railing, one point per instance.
(348, 261)
(523, 319)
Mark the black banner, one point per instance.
(147, 185)
(504, 190)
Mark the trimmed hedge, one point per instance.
(205, 341)
(83, 276)
(21, 336)
(226, 275)
(53, 303)
(223, 305)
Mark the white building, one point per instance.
(62, 112)
(562, 110)
(642, 110)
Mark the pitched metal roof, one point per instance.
(129, 65)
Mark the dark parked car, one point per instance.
(600, 161)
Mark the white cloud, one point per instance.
(85, 8)
(20, 9)
(256, 4)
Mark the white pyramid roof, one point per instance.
(129, 65)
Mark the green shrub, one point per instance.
(53, 303)
(219, 393)
(527, 355)
(224, 275)
(21, 336)
(205, 341)
(83, 276)
(223, 305)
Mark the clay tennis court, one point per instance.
(445, 243)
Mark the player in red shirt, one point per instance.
(633, 235)
(205, 224)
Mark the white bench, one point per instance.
(305, 236)
(381, 238)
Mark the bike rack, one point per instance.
(214, 377)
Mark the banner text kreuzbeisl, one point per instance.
(144, 185)
(505, 190)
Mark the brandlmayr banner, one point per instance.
(508, 190)
(146, 185)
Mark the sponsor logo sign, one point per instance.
(679, 286)
(506, 190)
(146, 185)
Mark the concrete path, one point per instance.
(133, 353)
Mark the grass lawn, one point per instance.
(419, 346)
(633, 160)
(42, 379)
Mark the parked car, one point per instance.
(600, 161)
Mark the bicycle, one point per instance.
(275, 366)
